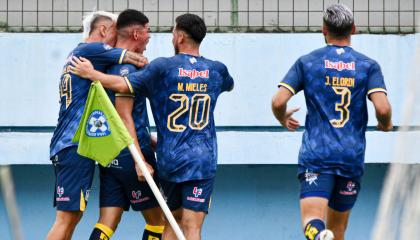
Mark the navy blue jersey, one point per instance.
(336, 81)
(141, 120)
(74, 90)
(183, 91)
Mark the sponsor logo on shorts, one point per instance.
(197, 193)
(340, 66)
(137, 197)
(350, 189)
(193, 74)
(60, 192)
(311, 177)
(114, 164)
(97, 124)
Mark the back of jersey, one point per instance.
(74, 90)
(336, 81)
(183, 92)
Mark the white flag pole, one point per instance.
(136, 155)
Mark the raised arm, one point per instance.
(124, 105)
(383, 110)
(279, 108)
(82, 67)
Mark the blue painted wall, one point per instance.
(249, 202)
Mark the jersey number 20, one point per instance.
(196, 122)
(342, 107)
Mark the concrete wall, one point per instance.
(31, 64)
(249, 203)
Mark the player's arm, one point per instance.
(82, 67)
(124, 105)
(153, 141)
(135, 58)
(279, 108)
(378, 95)
(383, 110)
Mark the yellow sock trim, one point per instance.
(155, 229)
(105, 229)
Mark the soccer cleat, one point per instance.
(326, 235)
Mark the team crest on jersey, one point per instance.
(97, 124)
(124, 71)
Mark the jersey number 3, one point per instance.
(196, 122)
(342, 107)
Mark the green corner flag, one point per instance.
(101, 133)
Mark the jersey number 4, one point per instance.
(196, 122)
(65, 88)
(342, 107)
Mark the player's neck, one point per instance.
(129, 45)
(343, 42)
(190, 50)
(94, 38)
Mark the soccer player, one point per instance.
(183, 91)
(120, 187)
(74, 173)
(336, 81)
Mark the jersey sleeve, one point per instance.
(375, 81)
(101, 52)
(143, 82)
(228, 83)
(293, 81)
(122, 70)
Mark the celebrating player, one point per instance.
(336, 80)
(120, 187)
(183, 91)
(74, 173)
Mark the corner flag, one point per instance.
(101, 133)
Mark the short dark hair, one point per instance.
(193, 25)
(339, 20)
(130, 17)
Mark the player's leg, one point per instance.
(192, 222)
(112, 202)
(74, 175)
(173, 194)
(109, 218)
(314, 195)
(154, 223)
(168, 232)
(64, 225)
(342, 201)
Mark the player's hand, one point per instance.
(136, 59)
(140, 175)
(384, 128)
(82, 67)
(290, 122)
